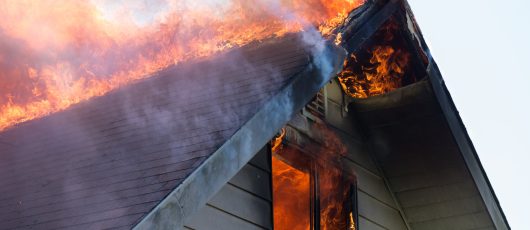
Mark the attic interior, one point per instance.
(383, 104)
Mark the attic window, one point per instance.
(310, 193)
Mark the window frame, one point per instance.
(313, 163)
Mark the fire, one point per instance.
(333, 188)
(294, 188)
(291, 196)
(276, 143)
(383, 72)
(56, 53)
(352, 222)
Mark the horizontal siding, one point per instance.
(377, 208)
(436, 194)
(250, 188)
(380, 213)
(480, 220)
(445, 209)
(253, 180)
(261, 160)
(428, 179)
(421, 161)
(212, 218)
(371, 183)
(357, 151)
(243, 203)
(366, 224)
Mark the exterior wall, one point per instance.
(427, 175)
(377, 207)
(245, 202)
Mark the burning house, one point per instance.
(347, 126)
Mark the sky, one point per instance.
(483, 50)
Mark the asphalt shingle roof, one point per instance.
(105, 163)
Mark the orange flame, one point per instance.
(56, 53)
(352, 222)
(276, 143)
(333, 192)
(292, 186)
(383, 73)
(291, 197)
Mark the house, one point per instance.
(281, 134)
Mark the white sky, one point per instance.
(483, 50)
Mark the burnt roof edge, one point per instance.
(367, 23)
(199, 187)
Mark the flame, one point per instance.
(352, 222)
(334, 191)
(291, 197)
(338, 39)
(292, 186)
(276, 142)
(56, 53)
(383, 72)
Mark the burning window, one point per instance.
(310, 191)
(291, 196)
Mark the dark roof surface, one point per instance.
(108, 161)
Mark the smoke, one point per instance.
(60, 53)
(71, 51)
(310, 34)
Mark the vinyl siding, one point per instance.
(250, 188)
(421, 161)
(243, 203)
(377, 207)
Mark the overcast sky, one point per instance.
(483, 50)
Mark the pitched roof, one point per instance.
(150, 154)
(108, 161)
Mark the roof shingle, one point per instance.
(108, 161)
